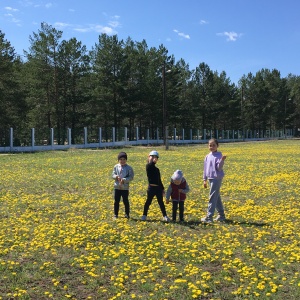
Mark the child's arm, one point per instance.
(129, 175)
(168, 194)
(115, 174)
(204, 172)
(220, 163)
(186, 190)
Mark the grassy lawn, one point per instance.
(58, 239)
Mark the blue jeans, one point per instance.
(215, 202)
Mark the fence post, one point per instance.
(113, 135)
(85, 137)
(100, 136)
(167, 137)
(11, 138)
(69, 137)
(191, 134)
(125, 135)
(32, 138)
(148, 135)
(52, 137)
(137, 133)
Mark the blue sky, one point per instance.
(235, 36)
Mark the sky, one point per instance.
(235, 36)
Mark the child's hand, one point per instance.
(205, 184)
(224, 157)
(167, 201)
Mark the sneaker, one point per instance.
(126, 216)
(166, 219)
(144, 218)
(220, 218)
(206, 220)
(115, 217)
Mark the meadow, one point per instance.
(58, 239)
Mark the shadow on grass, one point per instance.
(149, 220)
(195, 223)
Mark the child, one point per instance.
(155, 187)
(177, 190)
(213, 172)
(122, 174)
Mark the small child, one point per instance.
(155, 186)
(122, 174)
(177, 190)
(213, 172)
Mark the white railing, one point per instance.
(174, 139)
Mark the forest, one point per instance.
(61, 84)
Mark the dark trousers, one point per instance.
(124, 194)
(177, 204)
(158, 192)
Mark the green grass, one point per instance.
(58, 239)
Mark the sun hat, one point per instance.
(154, 153)
(178, 174)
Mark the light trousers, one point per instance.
(215, 202)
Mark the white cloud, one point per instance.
(114, 24)
(9, 15)
(106, 30)
(10, 8)
(97, 28)
(231, 36)
(109, 29)
(181, 34)
(203, 22)
(48, 5)
(61, 25)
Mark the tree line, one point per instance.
(61, 84)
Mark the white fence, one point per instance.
(173, 139)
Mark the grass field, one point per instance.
(58, 239)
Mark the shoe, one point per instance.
(144, 218)
(220, 218)
(206, 220)
(166, 219)
(126, 216)
(115, 217)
